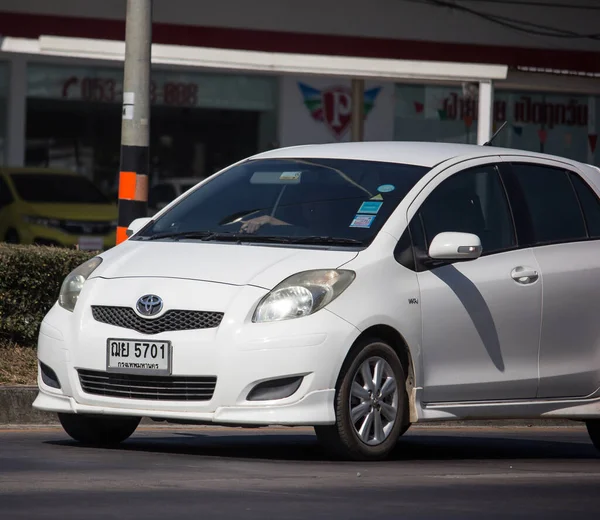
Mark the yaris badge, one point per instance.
(149, 305)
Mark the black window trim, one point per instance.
(527, 228)
(571, 174)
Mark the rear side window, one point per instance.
(553, 205)
(6, 197)
(589, 204)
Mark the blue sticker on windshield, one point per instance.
(370, 207)
(362, 221)
(385, 188)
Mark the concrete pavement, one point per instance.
(282, 473)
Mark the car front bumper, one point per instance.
(239, 353)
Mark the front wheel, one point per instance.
(98, 429)
(593, 428)
(370, 404)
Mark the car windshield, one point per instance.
(293, 199)
(57, 188)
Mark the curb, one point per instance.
(15, 406)
(16, 409)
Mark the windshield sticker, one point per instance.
(386, 188)
(377, 197)
(290, 176)
(370, 207)
(362, 221)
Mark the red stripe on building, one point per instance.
(34, 25)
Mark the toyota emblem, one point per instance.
(149, 305)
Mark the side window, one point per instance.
(555, 212)
(472, 201)
(6, 197)
(589, 204)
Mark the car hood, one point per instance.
(263, 266)
(77, 212)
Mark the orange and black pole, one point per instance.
(135, 126)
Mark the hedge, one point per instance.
(30, 280)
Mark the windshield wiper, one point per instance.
(328, 240)
(201, 235)
(207, 236)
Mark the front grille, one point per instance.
(172, 320)
(86, 228)
(154, 388)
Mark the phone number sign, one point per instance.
(171, 88)
(108, 90)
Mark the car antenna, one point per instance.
(489, 143)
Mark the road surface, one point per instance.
(205, 473)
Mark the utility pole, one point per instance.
(358, 110)
(135, 127)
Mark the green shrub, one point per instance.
(30, 280)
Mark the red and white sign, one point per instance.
(319, 110)
(337, 110)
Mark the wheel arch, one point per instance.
(391, 336)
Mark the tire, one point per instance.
(12, 237)
(343, 438)
(593, 428)
(98, 430)
(404, 429)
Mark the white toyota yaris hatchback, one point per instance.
(357, 288)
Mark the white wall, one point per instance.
(401, 19)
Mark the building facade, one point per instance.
(63, 108)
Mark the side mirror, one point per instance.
(136, 225)
(455, 246)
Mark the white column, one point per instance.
(486, 112)
(17, 111)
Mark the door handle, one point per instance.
(524, 275)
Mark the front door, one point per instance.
(481, 318)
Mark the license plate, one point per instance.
(90, 243)
(136, 356)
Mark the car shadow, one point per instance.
(414, 446)
(477, 308)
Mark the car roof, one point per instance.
(426, 154)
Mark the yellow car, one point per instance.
(56, 208)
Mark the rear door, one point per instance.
(560, 215)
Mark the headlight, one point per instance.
(41, 221)
(73, 283)
(302, 294)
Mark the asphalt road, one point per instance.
(206, 473)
